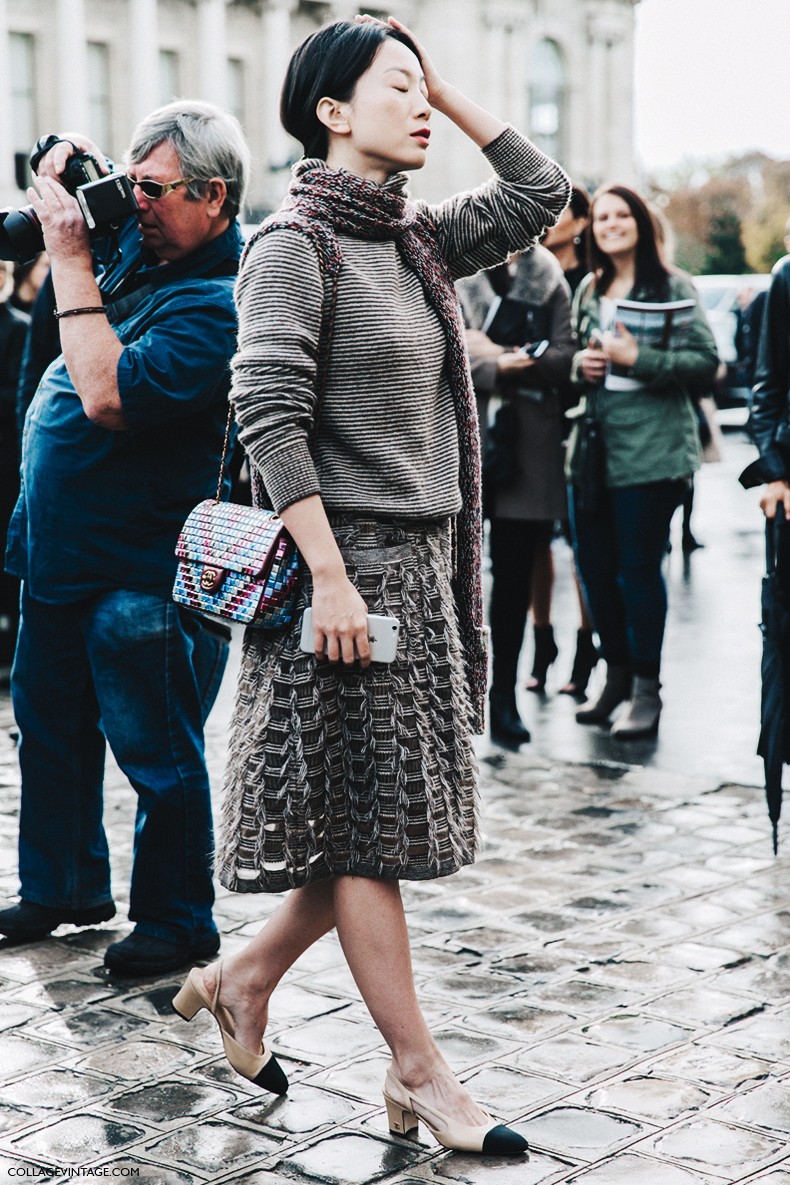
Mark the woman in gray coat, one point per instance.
(524, 302)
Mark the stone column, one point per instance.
(72, 65)
(344, 10)
(143, 59)
(604, 32)
(7, 188)
(495, 55)
(276, 49)
(212, 54)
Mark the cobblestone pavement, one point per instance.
(612, 977)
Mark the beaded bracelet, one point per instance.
(94, 308)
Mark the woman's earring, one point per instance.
(577, 239)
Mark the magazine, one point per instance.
(662, 326)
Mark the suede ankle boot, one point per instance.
(640, 719)
(616, 689)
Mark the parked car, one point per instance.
(722, 297)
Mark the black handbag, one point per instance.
(500, 463)
(590, 480)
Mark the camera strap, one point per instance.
(120, 307)
(136, 287)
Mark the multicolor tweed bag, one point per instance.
(237, 563)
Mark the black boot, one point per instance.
(545, 653)
(689, 542)
(584, 661)
(507, 727)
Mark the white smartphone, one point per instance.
(382, 634)
(535, 349)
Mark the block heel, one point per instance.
(262, 1069)
(401, 1121)
(405, 1109)
(187, 1003)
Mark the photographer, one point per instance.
(123, 437)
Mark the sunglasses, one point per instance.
(154, 190)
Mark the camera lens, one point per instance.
(20, 235)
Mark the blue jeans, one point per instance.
(132, 670)
(619, 552)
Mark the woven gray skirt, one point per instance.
(337, 770)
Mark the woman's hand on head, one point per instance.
(434, 83)
(340, 625)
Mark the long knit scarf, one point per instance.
(319, 203)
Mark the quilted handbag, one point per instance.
(237, 563)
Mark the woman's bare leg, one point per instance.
(250, 977)
(542, 584)
(372, 929)
(371, 926)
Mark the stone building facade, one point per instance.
(560, 69)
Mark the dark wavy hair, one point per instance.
(580, 202)
(330, 63)
(652, 274)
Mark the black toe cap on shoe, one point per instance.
(503, 1141)
(272, 1077)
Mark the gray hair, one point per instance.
(209, 143)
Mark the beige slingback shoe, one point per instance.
(405, 1109)
(264, 1069)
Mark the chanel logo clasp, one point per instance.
(210, 579)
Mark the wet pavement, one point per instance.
(612, 976)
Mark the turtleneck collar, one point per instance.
(351, 204)
(396, 182)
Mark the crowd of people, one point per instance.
(342, 334)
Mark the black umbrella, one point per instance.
(774, 743)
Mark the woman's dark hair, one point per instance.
(580, 202)
(330, 63)
(652, 274)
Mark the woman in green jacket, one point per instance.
(646, 423)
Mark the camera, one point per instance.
(105, 202)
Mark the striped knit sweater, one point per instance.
(387, 441)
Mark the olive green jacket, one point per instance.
(649, 434)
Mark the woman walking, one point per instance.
(651, 449)
(352, 391)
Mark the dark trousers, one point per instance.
(9, 585)
(619, 552)
(513, 544)
(133, 670)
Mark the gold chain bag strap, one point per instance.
(238, 563)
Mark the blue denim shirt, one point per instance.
(102, 509)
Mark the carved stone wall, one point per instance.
(560, 69)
